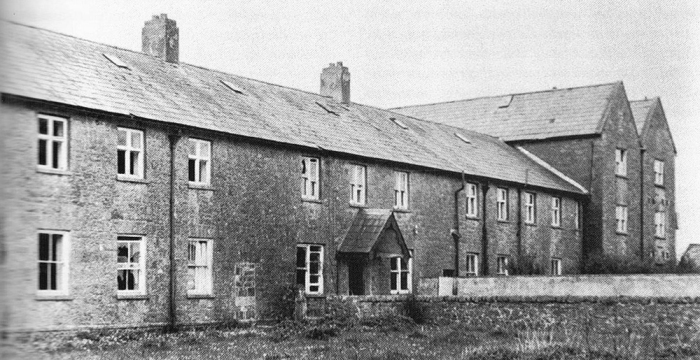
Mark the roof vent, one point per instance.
(505, 101)
(327, 109)
(116, 61)
(399, 123)
(552, 120)
(234, 88)
(463, 138)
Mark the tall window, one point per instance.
(53, 141)
(621, 219)
(577, 216)
(131, 265)
(660, 224)
(357, 184)
(309, 178)
(471, 200)
(555, 266)
(556, 211)
(199, 154)
(502, 204)
(400, 190)
(472, 264)
(199, 267)
(54, 253)
(621, 162)
(400, 275)
(658, 172)
(502, 265)
(530, 211)
(310, 268)
(130, 152)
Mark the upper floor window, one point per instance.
(199, 155)
(53, 142)
(400, 190)
(577, 215)
(472, 264)
(400, 275)
(658, 172)
(130, 152)
(530, 210)
(54, 253)
(502, 265)
(358, 184)
(556, 211)
(309, 178)
(471, 200)
(660, 224)
(310, 268)
(131, 265)
(555, 266)
(199, 267)
(621, 219)
(621, 162)
(502, 204)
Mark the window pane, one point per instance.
(121, 137)
(301, 257)
(393, 282)
(136, 139)
(58, 128)
(134, 162)
(43, 246)
(301, 277)
(42, 152)
(192, 147)
(404, 281)
(43, 276)
(52, 277)
(56, 154)
(303, 166)
(43, 126)
(135, 252)
(393, 263)
(192, 253)
(191, 169)
(122, 252)
(314, 268)
(56, 247)
(203, 171)
(204, 149)
(314, 279)
(121, 162)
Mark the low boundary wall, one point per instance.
(650, 286)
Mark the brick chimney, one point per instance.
(160, 38)
(335, 82)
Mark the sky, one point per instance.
(416, 52)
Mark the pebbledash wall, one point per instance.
(252, 212)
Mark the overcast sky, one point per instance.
(403, 53)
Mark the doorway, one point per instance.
(356, 281)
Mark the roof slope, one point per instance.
(45, 65)
(366, 227)
(693, 253)
(526, 116)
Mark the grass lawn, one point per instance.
(378, 338)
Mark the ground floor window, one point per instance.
(472, 264)
(53, 262)
(502, 265)
(199, 267)
(555, 266)
(400, 275)
(310, 268)
(131, 265)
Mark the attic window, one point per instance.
(505, 101)
(463, 138)
(232, 87)
(116, 61)
(399, 123)
(327, 109)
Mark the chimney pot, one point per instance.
(335, 82)
(160, 38)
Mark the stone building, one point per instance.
(620, 150)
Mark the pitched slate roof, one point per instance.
(366, 227)
(693, 253)
(45, 65)
(641, 110)
(526, 116)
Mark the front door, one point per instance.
(356, 281)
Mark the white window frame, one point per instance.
(530, 208)
(396, 273)
(311, 288)
(358, 184)
(621, 218)
(310, 180)
(660, 224)
(502, 204)
(198, 258)
(472, 200)
(659, 172)
(577, 215)
(62, 283)
(556, 211)
(129, 148)
(502, 265)
(620, 162)
(200, 160)
(555, 267)
(472, 264)
(401, 190)
(127, 266)
(50, 139)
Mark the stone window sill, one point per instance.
(316, 296)
(503, 221)
(621, 233)
(132, 179)
(402, 210)
(471, 217)
(50, 297)
(132, 297)
(359, 206)
(200, 296)
(196, 186)
(530, 224)
(313, 201)
(53, 171)
(622, 176)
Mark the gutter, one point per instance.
(171, 220)
(455, 230)
(642, 150)
(484, 233)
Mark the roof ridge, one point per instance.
(512, 94)
(647, 99)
